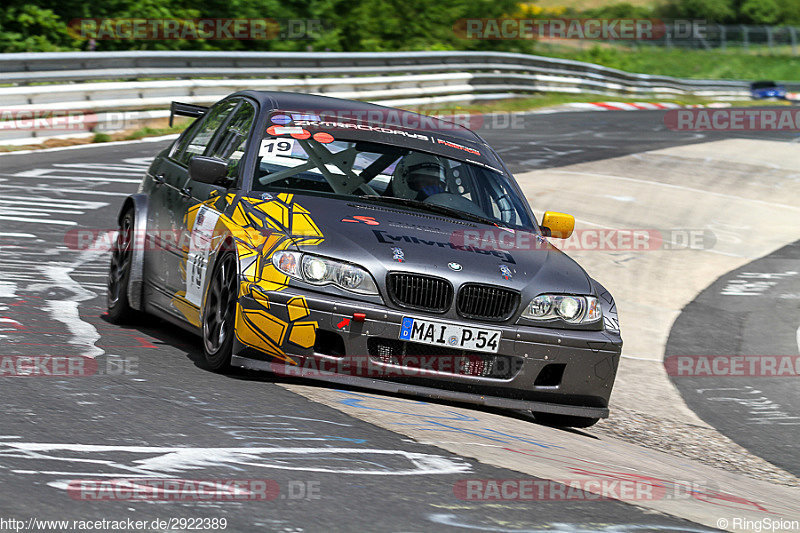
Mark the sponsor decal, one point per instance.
(285, 130)
(361, 219)
(302, 135)
(197, 260)
(482, 164)
(398, 255)
(451, 144)
(363, 127)
(505, 272)
(456, 267)
(267, 197)
(281, 119)
(387, 238)
(323, 137)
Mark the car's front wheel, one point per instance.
(219, 313)
(549, 419)
(119, 273)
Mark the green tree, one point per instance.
(760, 11)
(710, 10)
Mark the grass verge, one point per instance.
(156, 129)
(734, 63)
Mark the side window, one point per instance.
(231, 143)
(197, 143)
(187, 134)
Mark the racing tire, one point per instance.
(219, 313)
(549, 419)
(119, 273)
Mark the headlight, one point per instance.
(323, 271)
(571, 309)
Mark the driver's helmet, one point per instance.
(418, 176)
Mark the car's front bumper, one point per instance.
(568, 372)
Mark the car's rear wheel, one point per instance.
(119, 273)
(219, 313)
(549, 419)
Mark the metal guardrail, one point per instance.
(74, 80)
(84, 66)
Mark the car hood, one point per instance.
(383, 238)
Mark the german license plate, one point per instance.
(449, 335)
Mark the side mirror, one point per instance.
(559, 225)
(208, 169)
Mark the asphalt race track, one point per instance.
(332, 460)
(750, 311)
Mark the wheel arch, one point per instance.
(226, 244)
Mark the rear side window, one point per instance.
(232, 141)
(197, 142)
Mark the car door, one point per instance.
(229, 145)
(159, 235)
(169, 204)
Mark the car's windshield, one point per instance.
(392, 174)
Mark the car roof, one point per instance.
(285, 101)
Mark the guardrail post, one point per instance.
(745, 38)
(723, 45)
(769, 38)
(793, 37)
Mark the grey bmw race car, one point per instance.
(368, 246)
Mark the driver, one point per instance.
(419, 176)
